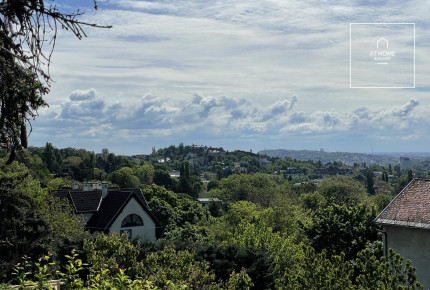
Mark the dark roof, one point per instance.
(61, 193)
(82, 201)
(86, 201)
(105, 210)
(109, 209)
(138, 193)
(411, 207)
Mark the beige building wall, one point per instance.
(413, 244)
(145, 232)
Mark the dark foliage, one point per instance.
(224, 260)
(22, 229)
(340, 229)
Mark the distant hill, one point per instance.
(345, 157)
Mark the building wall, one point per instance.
(87, 216)
(413, 244)
(405, 163)
(145, 232)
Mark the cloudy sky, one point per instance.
(241, 74)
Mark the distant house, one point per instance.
(406, 226)
(164, 160)
(264, 161)
(321, 171)
(175, 174)
(345, 172)
(206, 200)
(294, 172)
(113, 210)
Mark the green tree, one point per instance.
(162, 178)
(196, 186)
(145, 173)
(57, 183)
(410, 175)
(375, 272)
(173, 209)
(398, 170)
(88, 165)
(181, 149)
(370, 182)
(318, 271)
(72, 166)
(313, 200)
(257, 188)
(380, 201)
(20, 97)
(112, 252)
(240, 280)
(22, 228)
(124, 178)
(178, 267)
(49, 158)
(342, 189)
(342, 229)
(184, 184)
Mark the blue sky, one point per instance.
(237, 74)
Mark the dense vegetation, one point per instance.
(283, 223)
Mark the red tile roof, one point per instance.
(411, 207)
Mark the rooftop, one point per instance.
(410, 208)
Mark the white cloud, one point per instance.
(242, 58)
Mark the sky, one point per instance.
(244, 75)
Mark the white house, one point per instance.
(406, 226)
(113, 210)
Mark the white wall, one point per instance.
(145, 232)
(413, 244)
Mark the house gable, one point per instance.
(149, 228)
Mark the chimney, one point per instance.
(87, 186)
(75, 184)
(104, 189)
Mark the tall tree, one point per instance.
(184, 184)
(27, 28)
(22, 228)
(48, 157)
(370, 182)
(410, 175)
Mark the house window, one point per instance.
(132, 220)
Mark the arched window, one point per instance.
(132, 220)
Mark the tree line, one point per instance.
(268, 233)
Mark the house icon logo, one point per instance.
(382, 55)
(382, 42)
